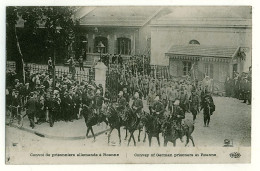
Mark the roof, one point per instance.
(221, 16)
(203, 51)
(118, 16)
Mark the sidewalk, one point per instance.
(61, 130)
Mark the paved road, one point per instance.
(231, 120)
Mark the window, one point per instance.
(196, 42)
(208, 70)
(104, 41)
(124, 46)
(186, 67)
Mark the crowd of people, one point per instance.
(63, 101)
(239, 86)
(136, 63)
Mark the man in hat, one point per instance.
(81, 61)
(16, 105)
(100, 87)
(163, 94)
(121, 105)
(31, 106)
(98, 102)
(126, 95)
(71, 63)
(50, 65)
(194, 103)
(150, 100)
(183, 100)
(176, 117)
(137, 105)
(52, 104)
(158, 109)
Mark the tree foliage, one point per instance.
(46, 29)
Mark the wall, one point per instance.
(165, 37)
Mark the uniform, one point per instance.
(98, 101)
(159, 110)
(31, 106)
(53, 107)
(194, 104)
(137, 107)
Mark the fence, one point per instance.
(60, 71)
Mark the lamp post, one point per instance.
(100, 47)
(57, 31)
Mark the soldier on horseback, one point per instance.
(158, 109)
(176, 117)
(98, 101)
(137, 105)
(121, 105)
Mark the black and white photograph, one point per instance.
(128, 84)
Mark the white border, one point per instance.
(256, 87)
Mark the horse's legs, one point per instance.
(139, 132)
(187, 140)
(144, 136)
(119, 135)
(194, 116)
(174, 143)
(150, 140)
(129, 139)
(109, 134)
(133, 137)
(91, 129)
(192, 141)
(125, 134)
(165, 142)
(158, 140)
(87, 132)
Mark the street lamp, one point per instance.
(100, 47)
(57, 31)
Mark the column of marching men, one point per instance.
(63, 101)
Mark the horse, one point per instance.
(92, 119)
(132, 123)
(114, 121)
(152, 127)
(171, 133)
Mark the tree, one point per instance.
(46, 29)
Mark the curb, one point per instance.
(55, 137)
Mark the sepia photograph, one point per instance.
(128, 84)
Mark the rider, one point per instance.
(98, 101)
(177, 115)
(121, 105)
(137, 105)
(158, 109)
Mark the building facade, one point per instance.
(122, 30)
(213, 41)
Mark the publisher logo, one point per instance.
(228, 143)
(235, 155)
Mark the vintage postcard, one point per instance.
(128, 84)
